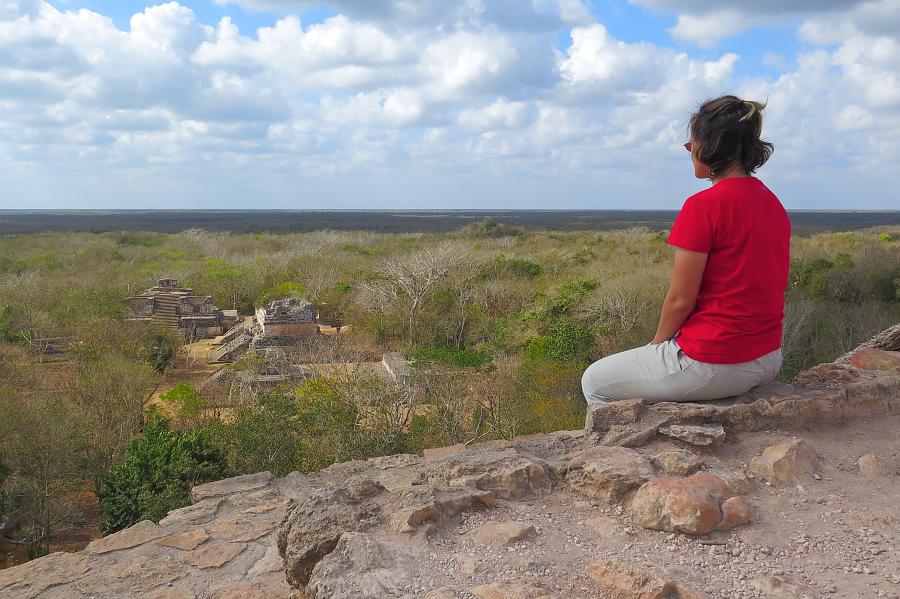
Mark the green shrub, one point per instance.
(185, 399)
(160, 468)
(281, 291)
(452, 356)
(524, 268)
(489, 228)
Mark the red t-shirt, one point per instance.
(746, 232)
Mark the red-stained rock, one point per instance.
(698, 504)
(868, 358)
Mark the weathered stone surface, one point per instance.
(783, 587)
(313, 527)
(252, 590)
(133, 577)
(171, 593)
(695, 435)
(787, 463)
(600, 418)
(241, 529)
(198, 513)
(237, 484)
(627, 581)
(869, 358)
(138, 534)
(873, 466)
(33, 578)
(608, 473)
(214, 554)
(736, 480)
(410, 508)
(510, 591)
(442, 593)
(270, 562)
(361, 567)
(676, 462)
(698, 504)
(636, 435)
(187, 540)
(605, 527)
(509, 473)
(499, 534)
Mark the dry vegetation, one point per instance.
(498, 322)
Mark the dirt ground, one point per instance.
(839, 535)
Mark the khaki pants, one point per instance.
(664, 373)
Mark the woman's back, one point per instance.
(745, 231)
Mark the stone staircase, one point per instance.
(165, 311)
(230, 351)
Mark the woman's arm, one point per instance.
(682, 296)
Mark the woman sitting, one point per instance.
(719, 333)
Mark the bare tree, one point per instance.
(412, 278)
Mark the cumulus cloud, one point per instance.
(507, 97)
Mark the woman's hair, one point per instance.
(727, 130)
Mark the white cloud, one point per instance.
(419, 99)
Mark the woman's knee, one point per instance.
(591, 382)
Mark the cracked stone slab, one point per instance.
(229, 486)
(187, 540)
(214, 555)
(138, 534)
(198, 513)
(37, 576)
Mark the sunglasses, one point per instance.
(688, 146)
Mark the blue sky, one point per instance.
(435, 104)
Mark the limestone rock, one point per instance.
(240, 529)
(626, 581)
(509, 473)
(783, 587)
(228, 486)
(33, 578)
(132, 536)
(676, 462)
(252, 590)
(270, 562)
(442, 593)
(361, 567)
(214, 555)
(869, 358)
(787, 463)
(198, 513)
(510, 591)
(498, 534)
(698, 504)
(873, 466)
(410, 508)
(313, 527)
(600, 418)
(608, 473)
(702, 436)
(187, 540)
(736, 480)
(134, 577)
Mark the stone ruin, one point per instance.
(280, 323)
(179, 308)
(759, 496)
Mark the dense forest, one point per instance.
(498, 324)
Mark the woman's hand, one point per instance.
(687, 273)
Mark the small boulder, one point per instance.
(869, 358)
(676, 462)
(623, 580)
(608, 473)
(601, 417)
(872, 466)
(702, 436)
(499, 534)
(362, 567)
(787, 463)
(698, 505)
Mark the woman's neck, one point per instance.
(734, 172)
